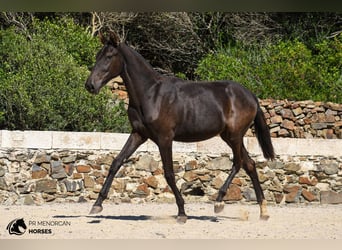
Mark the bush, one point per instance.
(286, 70)
(42, 81)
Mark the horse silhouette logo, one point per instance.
(17, 227)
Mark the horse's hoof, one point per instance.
(95, 210)
(264, 217)
(181, 219)
(218, 207)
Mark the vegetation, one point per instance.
(46, 56)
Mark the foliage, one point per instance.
(288, 69)
(42, 81)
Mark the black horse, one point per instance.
(165, 109)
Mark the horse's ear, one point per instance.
(114, 38)
(102, 38)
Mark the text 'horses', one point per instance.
(165, 109)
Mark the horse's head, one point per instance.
(109, 64)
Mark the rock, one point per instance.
(46, 186)
(190, 176)
(278, 197)
(151, 182)
(69, 158)
(38, 172)
(142, 190)
(288, 124)
(217, 182)
(73, 185)
(319, 125)
(88, 181)
(249, 194)
(191, 165)
(306, 180)
(42, 157)
(28, 200)
(233, 193)
(297, 111)
(276, 119)
(83, 168)
(331, 197)
(14, 167)
(57, 170)
(2, 171)
(309, 196)
(3, 184)
(286, 114)
(292, 193)
(119, 185)
(292, 167)
(69, 169)
(146, 163)
(220, 163)
(331, 168)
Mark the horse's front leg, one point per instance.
(166, 156)
(133, 142)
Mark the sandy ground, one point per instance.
(158, 221)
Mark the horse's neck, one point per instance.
(138, 75)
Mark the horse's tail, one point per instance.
(263, 134)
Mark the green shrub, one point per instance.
(287, 70)
(42, 82)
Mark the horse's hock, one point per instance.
(38, 167)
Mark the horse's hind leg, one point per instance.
(236, 145)
(249, 167)
(133, 142)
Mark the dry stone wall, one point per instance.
(292, 119)
(38, 176)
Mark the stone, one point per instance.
(286, 114)
(283, 133)
(119, 185)
(190, 176)
(331, 168)
(57, 170)
(249, 194)
(46, 186)
(276, 119)
(319, 125)
(72, 185)
(28, 200)
(39, 174)
(288, 124)
(2, 171)
(69, 169)
(42, 157)
(217, 182)
(146, 163)
(69, 158)
(220, 163)
(306, 180)
(291, 167)
(233, 193)
(191, 165)
(14, 167)
(83, 168)
(88, 181)
(309, 196)
(151, 182)
(278, 197)
(331, 197)
(142, 190)
(292, 193)
(3, 184)
(297, 111)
